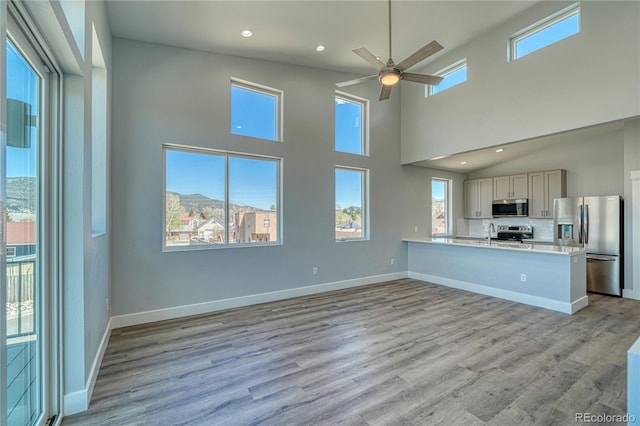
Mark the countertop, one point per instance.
(501, 245)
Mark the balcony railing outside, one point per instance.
(21, 296)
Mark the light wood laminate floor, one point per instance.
(398, 353)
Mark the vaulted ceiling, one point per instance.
(289, 31)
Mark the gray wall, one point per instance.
(169, 95)
(86, 257)
(589, 78)
(594, 163)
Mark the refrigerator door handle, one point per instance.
(580, 224)
(586, 223)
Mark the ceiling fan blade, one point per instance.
(369, 57)
(385, 92)
(420, 55)
(421, 78)
(356, 81)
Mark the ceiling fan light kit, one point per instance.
(390, 74)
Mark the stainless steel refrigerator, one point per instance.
(596, 224)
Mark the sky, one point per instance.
(437, 190)
(252, 182)
(22, 85)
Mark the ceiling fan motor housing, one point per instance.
(389, 76)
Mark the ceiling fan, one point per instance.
(391, 73)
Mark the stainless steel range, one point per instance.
(514, 233)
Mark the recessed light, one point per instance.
(247, 33)
(463, 162)
(320, 48)
(499, 149)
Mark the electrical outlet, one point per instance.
(315, 270)
(393, 261)
(523, 278)
(415, 229)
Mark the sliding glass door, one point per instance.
(27, 229)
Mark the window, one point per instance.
(351, 204)
(351, 124)
(255, 111)
(440, 207)
(219, 199)
(554, 28)
(453, 75)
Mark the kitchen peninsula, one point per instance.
(551, 277)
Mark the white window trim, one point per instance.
(226, 154)
(364, 120)
(263, 90)
(542, 24)
(448, 201)
(458, 65)
(365, 203)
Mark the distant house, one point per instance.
(211, 230)
(253, 227)
(188, 230)
(349, 229)
(21, 239)
(438, 223)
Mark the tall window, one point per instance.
(553, 28)
(351, 204)
(351, 124)
(440, 207)
(255, 111)
(217, 199)
(453, 75)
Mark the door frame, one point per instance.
(24, 32)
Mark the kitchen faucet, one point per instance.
(492, 228)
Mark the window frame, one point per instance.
(444, 72)
(364, 120)
(364, 209)
(263, 90)
(542, 24)
(226, 154)
(448, 201)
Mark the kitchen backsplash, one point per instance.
(542, 228)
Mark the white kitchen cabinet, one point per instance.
(543, 188)
(478, 195)
(511, 187)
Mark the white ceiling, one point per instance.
(289, 31)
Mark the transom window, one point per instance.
(454, 74)
(552, 29)
(351, 124)
(351, 203)
(256, 111)
(218, 199)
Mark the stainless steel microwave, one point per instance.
(505, 208)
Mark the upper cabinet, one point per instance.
(510, 187)
(543, 188)
(478, 195)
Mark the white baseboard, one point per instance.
(630, 294)
(78, 401)
(236, 302)
(541, 302)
